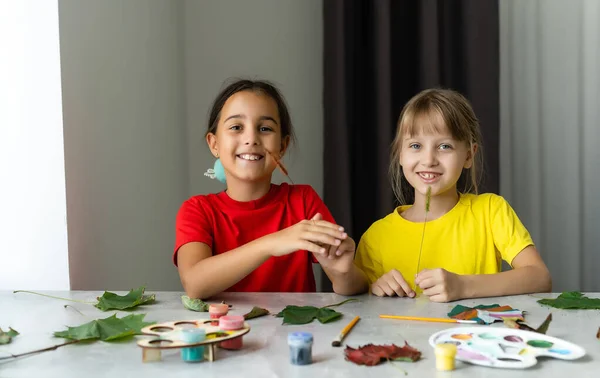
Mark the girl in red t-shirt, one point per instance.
(257, 236)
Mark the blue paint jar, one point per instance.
(300, 344)
(193, 335)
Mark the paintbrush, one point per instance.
(427, 205)
(280, 166)
(338, 340)
(440, 320)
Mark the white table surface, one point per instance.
(265, 352)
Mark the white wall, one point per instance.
(277, 40)
(550, 97)
(126, 162)
(33, 230)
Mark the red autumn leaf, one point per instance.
(371, 355)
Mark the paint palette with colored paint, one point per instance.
(167, 336)
(505, 347)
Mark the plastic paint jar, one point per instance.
(193, 335)
(218, 310)
(444, 356)
(300, 344)
(232, 323)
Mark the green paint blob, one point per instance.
(487, 336)
(540, 343)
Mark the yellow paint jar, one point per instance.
(444, 356)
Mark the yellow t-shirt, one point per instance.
(472, 238)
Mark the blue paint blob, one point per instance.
(560, 351)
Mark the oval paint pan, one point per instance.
(513, 339)
(540, 344)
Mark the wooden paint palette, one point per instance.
(167, 336)
(504, 347)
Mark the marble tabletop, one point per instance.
(265, 352)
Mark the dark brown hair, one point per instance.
(260, 86)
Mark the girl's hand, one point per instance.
(440, 285)
(390, 284)
(314, 235)
(338, 258)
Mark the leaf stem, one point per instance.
(341, 303)
(396, 366)
(51, 296)
(54, 347)
(74, 308)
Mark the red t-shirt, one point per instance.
(225, 224)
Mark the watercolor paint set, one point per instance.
(197, 339)
(504, 347)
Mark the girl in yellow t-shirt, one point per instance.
(449, 246)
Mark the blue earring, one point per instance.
(217, 172)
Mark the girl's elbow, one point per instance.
(195, 290)
(548, 283)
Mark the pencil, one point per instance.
(338, 340)
(440, 320)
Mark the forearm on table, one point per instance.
(215, 274)
(524, 280)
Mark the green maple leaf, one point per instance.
(572, 300)
(326, 315)
(194, 304)
(305, 314)
(298, 314)
(135, 297)
(108, 329)
(6, 337)
(108, 300)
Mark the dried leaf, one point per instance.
(572, 300)
(280, 165)
(108, 329)
(112, 301)
(544, 327)
(6, 337)
(305, 314)
(598, 334)
(256, 312)
(372, 355)
(518, 324)
(194, 304)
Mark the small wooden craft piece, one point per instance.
(504, 347)
(167, 336)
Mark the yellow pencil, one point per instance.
(440, 320)
(338, 340)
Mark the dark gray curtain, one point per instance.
(377, 55)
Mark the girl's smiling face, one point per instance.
(431, 157)
(249, 128)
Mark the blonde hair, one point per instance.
(457, 115)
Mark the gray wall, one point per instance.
(550, 91)
(138, 78)
(278, 40)
(125, 153)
